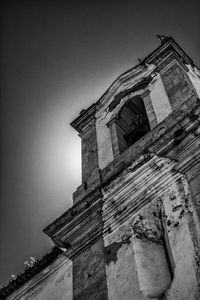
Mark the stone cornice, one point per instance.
(72, 212)
(133, 189)
(168, 44)
(75, 235)
(84, 118)
(165, 63)
(189, 162)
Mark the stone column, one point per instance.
(90, 166)
(85, 124)
(80, 232)
(177, 83)
(149, 109)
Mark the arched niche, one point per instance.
(128, 125)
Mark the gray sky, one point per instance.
(57, 58)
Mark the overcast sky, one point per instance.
(58, 57)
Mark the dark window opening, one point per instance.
(136, 134)
(130, 124)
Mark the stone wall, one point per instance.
(89, 279)
(177, 83)
(151, 234)
(133, 232)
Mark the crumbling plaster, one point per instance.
(151, 261)
(122, 280)
(179, 213)
(132, 223)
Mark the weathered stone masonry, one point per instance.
(134, 229)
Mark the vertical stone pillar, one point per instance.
(89, 276)
(117, 137)
(90, 166)
(80, 232)
(177, 83)
(85, 124)
(149, 109)
(191, 168)
(193, 175)
(87, 253)
(183, 234)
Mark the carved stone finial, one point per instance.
(162, 38)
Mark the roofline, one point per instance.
(165, 43)
(148, 59)
(30, 272)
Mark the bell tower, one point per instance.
(133, 229)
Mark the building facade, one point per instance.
(133, 231)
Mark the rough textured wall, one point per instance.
(89, 154)
(178, 85)
(151, 234)
(89, 278)
(194, 75)
(136, 264)
(149, 249)
(182, 231)
(159, 99)
(105, 152)
(149, 109)
(53, 283)
(193, 176)
(122, 279)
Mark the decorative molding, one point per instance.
(84, 118)
(169, 43)
(131, 191)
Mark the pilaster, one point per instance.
(80, 232)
